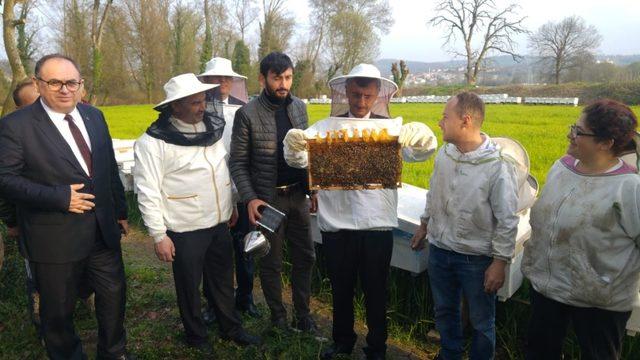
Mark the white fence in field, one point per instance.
(487, 98)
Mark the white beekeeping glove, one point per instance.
(295, 140)
(415, 134)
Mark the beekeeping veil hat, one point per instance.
(527, 184)
(340, 101)
(222, 67)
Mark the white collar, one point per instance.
(364, 117)
(54, 115)
(185, 126)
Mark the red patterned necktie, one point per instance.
(82, 144)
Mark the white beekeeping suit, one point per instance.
(361, 209)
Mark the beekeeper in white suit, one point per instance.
(356, 225)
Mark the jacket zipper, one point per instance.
(215, 186)
(554, 237)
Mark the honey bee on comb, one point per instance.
(357, 159)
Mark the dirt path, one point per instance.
(138, 246)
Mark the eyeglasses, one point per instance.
(56, 85)
(574, 131)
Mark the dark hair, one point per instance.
(612, 120)
(470, 103)
(364, 81)
(40, 63)
(275, 62)
(16, 92)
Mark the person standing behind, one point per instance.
(224, 100)
(263, 177)
(24, 95)
(471, 224)
(58, 167)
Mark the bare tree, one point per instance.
(224, 36)
(148, 39)
(275, 28)
(18, 73)
(400, 71)
(494, 27)
(562, 45)
(207, 47)
(185, 23)
(27, 36)
(347, 32)
(244, 14)
(99, 14)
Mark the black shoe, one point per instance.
(280, 323)
(307, 325)
(374, 355)
(250, 310)
(243, 338)
(208, 316)
(335, 350)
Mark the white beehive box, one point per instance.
(411, 201)
(123, 150)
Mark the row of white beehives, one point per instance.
(323, 100)
(552, 101)
(487, 98)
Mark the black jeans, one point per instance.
(209, 252)
(366, 255)
(245, 267)
(59, 286)
(295, 229)
(599, 332)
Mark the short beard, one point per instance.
(275, 94)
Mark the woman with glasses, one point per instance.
(583, 258)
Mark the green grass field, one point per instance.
(540, 129)
(153, 323)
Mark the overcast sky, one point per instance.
(618, 21)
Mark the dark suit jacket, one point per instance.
(36, 168)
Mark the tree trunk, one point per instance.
(98, 22)
(11, 48)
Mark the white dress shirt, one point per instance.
(63, 127)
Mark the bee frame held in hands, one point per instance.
(354, 159)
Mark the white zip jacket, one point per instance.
(585, 238)
(181, 188)
(472, 202)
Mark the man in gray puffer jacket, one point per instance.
(263, 177)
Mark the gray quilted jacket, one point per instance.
(254, 151)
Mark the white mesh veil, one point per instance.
(340, 101)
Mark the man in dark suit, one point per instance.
(58, 167)
(224, 100)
